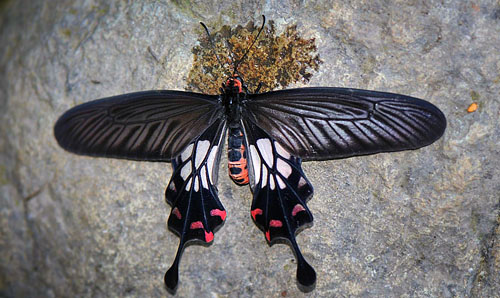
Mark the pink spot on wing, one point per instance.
(256, 212)
(177, 213)
(297, 209)
(217, 212)
(209, 236)
(268, 236)
(196, 225)
(274, 223)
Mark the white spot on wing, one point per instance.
(188, 184)
(201, 152)
(283, 168)
(264, 176)
(256, 164)
(281, 151)
(281, 184)
(302, 182)
(196, 184)
(187, 152)
(271, 182)
(186, 170)
(211, 161)
(266, 150)
(204, 181)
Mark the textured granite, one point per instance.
(408, 224)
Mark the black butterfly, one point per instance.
(269, 135)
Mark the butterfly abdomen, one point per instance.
(237, 156)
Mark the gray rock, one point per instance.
(408, 224)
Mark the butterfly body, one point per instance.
(232, 97)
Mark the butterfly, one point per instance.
(269, 135)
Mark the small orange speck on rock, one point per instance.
(472, 108)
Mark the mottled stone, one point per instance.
(418, 223)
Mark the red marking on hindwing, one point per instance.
(177, 213)
(196, 225)
(268, 236)
(256, 212)
(217, 212)
(274, 223)
(209, 236)
(298, 208)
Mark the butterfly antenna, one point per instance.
(248, 49)
(212, 44)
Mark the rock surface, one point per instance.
(407, 224)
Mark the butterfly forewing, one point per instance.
(329, 123)
(280, 192)
(149, 125)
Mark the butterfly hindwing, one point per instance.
(280, 191)
(196, 210)
(148, 125)
(328, 123)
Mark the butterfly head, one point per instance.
(234, 84)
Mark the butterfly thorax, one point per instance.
(232, 96)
